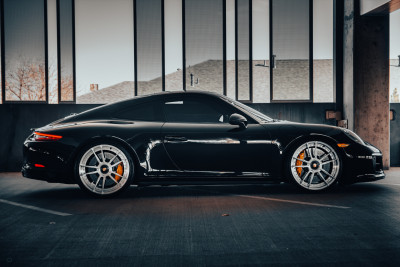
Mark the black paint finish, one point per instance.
(168, 150)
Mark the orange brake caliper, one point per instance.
(299, 163)
(120, 170)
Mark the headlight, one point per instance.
(353, 136)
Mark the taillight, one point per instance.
(46, 137)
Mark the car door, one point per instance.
(198, 137)
(144, 135)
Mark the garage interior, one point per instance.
(334, 62)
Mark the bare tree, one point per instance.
(28, 83)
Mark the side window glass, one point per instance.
(195, 110)
(141, 112)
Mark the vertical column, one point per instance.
(348, 45)
(371, 80)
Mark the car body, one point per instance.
(193, 137)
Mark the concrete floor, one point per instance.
(185, 225)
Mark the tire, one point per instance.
(104, 169)
(314, 166)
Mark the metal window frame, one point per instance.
(250, 100)
(224, 69)
(59, 89)
(46, 63)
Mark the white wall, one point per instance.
(104, 43)
(395, 34)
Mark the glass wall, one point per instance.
(104, 50)
(66, 50)
(261, 72)
(290, 50)
(251, 50)
(52, 51)
(230, 49)
(243, 53)
(204, 45)
(149, 46)
(173, 45)
(323, 50)
(395, 57)
(24, 46)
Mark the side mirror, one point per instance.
(237, 119)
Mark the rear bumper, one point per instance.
(31, 172)
(52, 161)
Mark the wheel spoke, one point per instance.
(315, 150)
(300, 160)
(94, 153)
(116, 163)
(102, 153)
(113, 158)
(299, 166)
(88, 173)
(97, 182)
(327, 173)
(323, 179)
(329, 161)
(304, 177)
(116, 174)
(104, 182)
(311, 179)
(308, 151)
(115, 181)
(87, 166)
(330, 153)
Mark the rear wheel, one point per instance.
(314, 165)
(104, 169)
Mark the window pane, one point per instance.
(173, 45)
(52, 65)
(24, 44)
(193, 110)
(323, 50)
(104, 50)
(261, 75)
(66, 50)
(149, 46)
(395, 57)
(243, 47)
(230, 49)
(291, 75)
(141, 112)
(204, 45)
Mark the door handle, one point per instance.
(175, 138)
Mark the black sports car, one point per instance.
(186, 137)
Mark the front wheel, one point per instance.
(104, 169)
(314, 166)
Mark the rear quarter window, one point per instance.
(149, 111)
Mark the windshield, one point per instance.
(252, 111)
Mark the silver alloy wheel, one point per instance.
(104, 169)
(315, 165)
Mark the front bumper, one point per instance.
(379, 175)
(363, 164)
